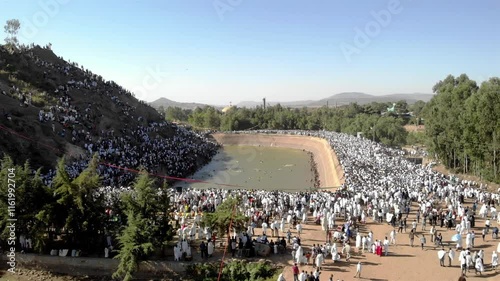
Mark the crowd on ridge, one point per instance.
(157, 146)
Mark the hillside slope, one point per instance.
(51, 107)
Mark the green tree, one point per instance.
(12, 28)
(31, 196)
(445, 118)
(84, 212)
(226, 214)
(147, 227)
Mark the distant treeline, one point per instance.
(462, 122)
(373, 120)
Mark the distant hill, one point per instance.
(170, 103)
(346, 98)
(362, 98)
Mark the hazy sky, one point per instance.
(221, 51)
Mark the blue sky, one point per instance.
(221, 51)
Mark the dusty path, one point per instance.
(403, 262)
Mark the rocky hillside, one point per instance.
(51, 107)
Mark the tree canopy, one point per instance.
(227, 214)
(148, 227)
(463, 125)
(12, 27)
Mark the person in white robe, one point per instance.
(298, 254)
(264, 228)
(451, 256)
(463, 258)
(184, 245)
(468, 240)
(299, 229)
(177, 253)
(393, 237)
(302, 276)
(494, 260)
(363, 243)
(358, 241)
(319, 261)
(386, 246)
(210, 248)
(479, 265)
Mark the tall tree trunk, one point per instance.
(495, 173)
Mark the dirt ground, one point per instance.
(403, 262)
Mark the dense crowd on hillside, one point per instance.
(379, 184)
(157, 146)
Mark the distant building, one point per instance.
(227, 108)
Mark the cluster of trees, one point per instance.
(72, 214)
(463, 125)
(372, 119)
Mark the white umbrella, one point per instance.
(456, 237)
(441, 254)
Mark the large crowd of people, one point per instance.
(380, 184)
(157, 146)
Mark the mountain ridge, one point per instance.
(337, 99)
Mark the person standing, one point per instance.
(441, 255)
(203, 250)
(358, 270)
(393, 236)
(423, 241)
(432, 232)
(386, 246)
(411, 235)
(494, 260)
(295, 270)
(451, 256)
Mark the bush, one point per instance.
(235, 270)
(416, 138)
